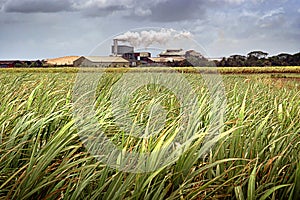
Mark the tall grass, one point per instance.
(187, 69)
(42, 156)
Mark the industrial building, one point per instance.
(101, 61)
(170, 57)
(168, 61)
(137, 58)
(173, 53)
(119, 50)
(122, 49)
(125, 56)
(121, 56)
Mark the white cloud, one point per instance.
(248, 13)
(272, 18)
(81, 4)
(2, 2)
(142, 12)
(273, 13)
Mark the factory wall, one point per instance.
(83, 62)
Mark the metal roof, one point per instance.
(167, 59)
(106, 59)
(173, 52)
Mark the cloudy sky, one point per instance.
(37, 29)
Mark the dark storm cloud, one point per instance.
(177, 10)
(223, 27)
(152, 10)
(101, 12)
(40, 6)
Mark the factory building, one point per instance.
(167, 61)
(173, 53)
(125, 56)
(119, 50)
(137, 58)
(101, 61)
(122, 49)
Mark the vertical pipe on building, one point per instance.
(115, 47)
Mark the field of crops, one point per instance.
(222, 70)
(256, 155)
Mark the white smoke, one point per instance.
(147, 38)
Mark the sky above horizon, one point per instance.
(40, 29)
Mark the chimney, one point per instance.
(115, 47)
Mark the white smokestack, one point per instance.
(147, 38)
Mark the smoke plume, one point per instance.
(147, 38)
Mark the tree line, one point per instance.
(260, 59)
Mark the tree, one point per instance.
(221, 63)
(295, 60)
(237, 60)
(258, 54)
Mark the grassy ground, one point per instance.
(222, 70)
(42, 156)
